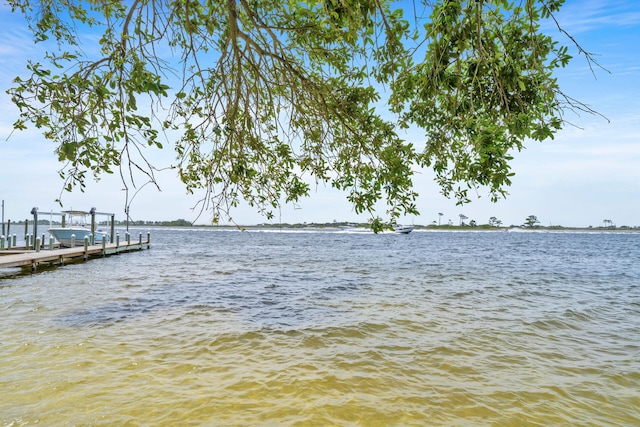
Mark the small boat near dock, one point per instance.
(74, 234)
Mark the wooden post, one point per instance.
(117, 240)
(86, 247)
(34, 212)
(8, 228)
(148, 240)
(113, 228)
(73, 240)
(15, 240)
(37, 244)
(93, 225)
(26, 228)
(140, 240)
(2, 241)
(104, 247)
(50, 243)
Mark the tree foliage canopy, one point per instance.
(257, 96)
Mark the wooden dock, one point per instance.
(19, 257)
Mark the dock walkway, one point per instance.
(57, 256)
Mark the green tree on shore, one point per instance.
(259, 98)
(531, 221)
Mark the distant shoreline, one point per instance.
(181, 223)
(312, 226)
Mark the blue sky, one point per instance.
(590, 172)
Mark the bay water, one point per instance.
(214, 327)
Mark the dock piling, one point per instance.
(93, 225)
(34, 212)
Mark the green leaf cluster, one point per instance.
(485, 86)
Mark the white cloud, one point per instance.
(583, 16)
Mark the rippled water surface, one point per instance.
(214, 327)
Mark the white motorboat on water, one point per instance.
(403, 229)
(65, 234)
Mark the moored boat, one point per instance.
(66, 234)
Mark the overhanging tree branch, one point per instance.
(269, 96)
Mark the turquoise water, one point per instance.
(213, 327)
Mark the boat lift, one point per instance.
(72, 213)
